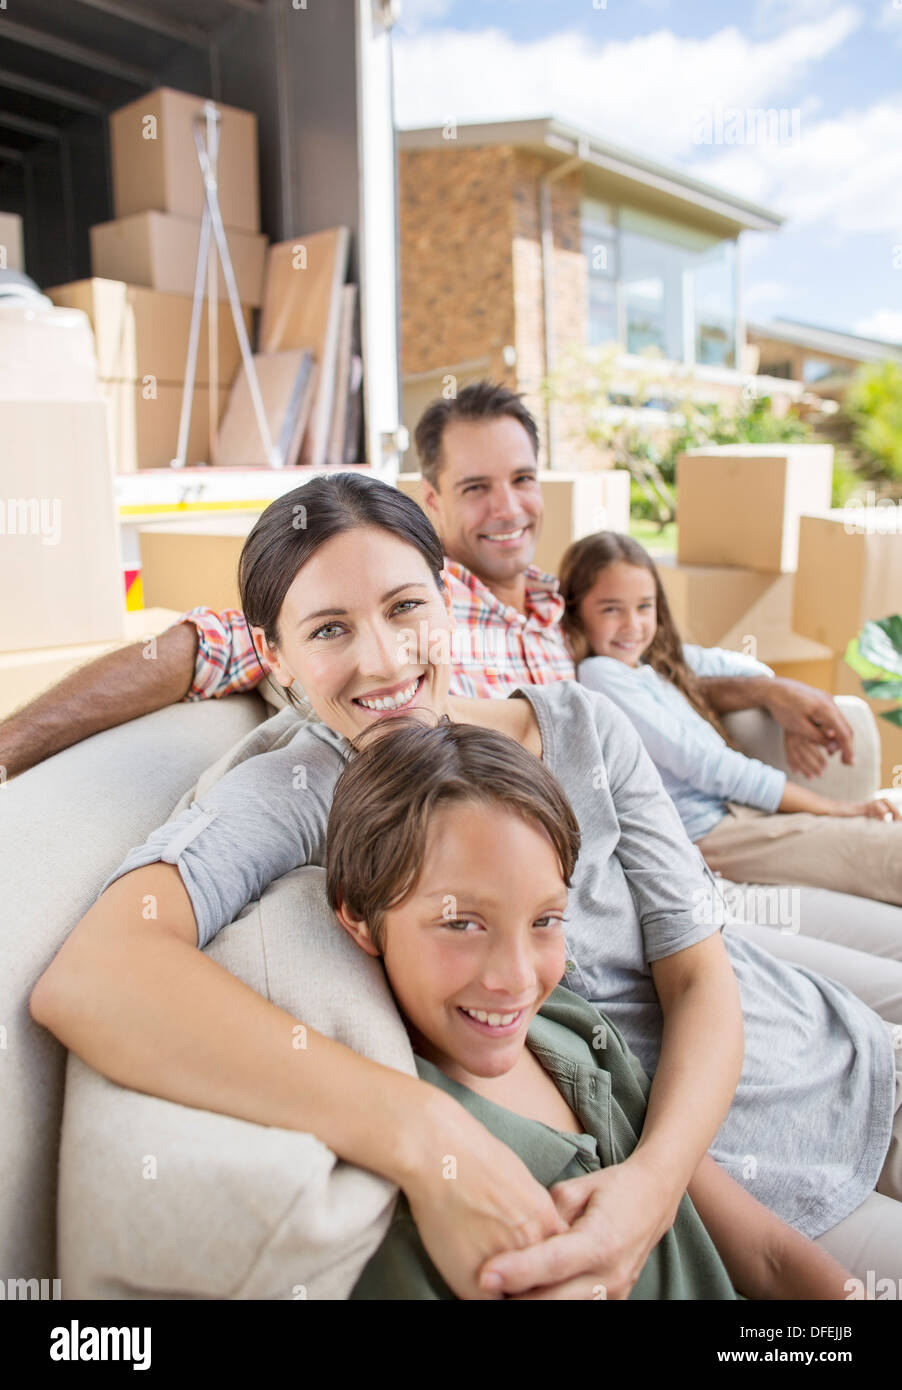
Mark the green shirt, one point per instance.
(604, 1084)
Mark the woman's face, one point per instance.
(364, 631)
(619, 613)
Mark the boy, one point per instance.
(450, 851)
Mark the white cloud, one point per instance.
(885, 324)
(889, 20)
(644, 93)
(844, 173)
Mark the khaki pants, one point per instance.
(848, 854)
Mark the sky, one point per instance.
(652, 74)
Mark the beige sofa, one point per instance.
(159, 1200)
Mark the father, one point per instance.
(478, 455)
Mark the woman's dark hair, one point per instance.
(581, 565)
(293, 528)
(399, 776)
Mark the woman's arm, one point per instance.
(132, 995)
(764, 1257)
(618, 1214)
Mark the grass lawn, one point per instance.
(647, 534)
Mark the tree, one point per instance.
(874, 405)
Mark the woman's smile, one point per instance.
(391, 699)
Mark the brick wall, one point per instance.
(457, 298)
(471, 270)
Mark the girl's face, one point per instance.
(619, 614)
(364, 631)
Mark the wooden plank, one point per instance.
(302, 309)
(283, 377)
(335, 452)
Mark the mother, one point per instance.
(341, 582)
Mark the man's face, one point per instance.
(488, 504)
(481, 934)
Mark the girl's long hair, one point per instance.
(580, 567)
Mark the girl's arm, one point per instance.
(797, 798)
(765, 1258)
(678, 740)
(138, 1002)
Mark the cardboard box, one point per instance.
(159, 250)
(144, 431)
(739, 504)
(155, 165)
(708, 602)
(850, 571)
(60, 574)
(140, 332)
(12, 253)
(24, 675)
(576, 505)
(45, 353)
(194, 563)
(848, 682)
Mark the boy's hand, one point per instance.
(617, 1216)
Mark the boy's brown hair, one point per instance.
(384, 802)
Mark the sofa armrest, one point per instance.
(757, 734)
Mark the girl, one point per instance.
(750, 823)
(352, 606)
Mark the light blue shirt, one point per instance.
(699, 770)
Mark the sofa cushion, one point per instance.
(159, 1200)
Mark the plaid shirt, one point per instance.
(494, 649)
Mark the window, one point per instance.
(599, 246)
(677, 286)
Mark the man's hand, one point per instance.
(617, 1216)
(813, 715)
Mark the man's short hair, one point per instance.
(483, 400)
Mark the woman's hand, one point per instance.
(471, 1197)
(615, 1216)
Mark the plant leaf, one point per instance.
(893, 716)
(883, 690)
(881, 643)
(866, 669)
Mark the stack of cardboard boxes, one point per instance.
(140, 300)
(738, 550)
(765, 567)
(850, 572)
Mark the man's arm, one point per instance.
(809, 716)
(111, 690)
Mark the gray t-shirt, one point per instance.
(811, 1120)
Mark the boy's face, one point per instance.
(481, 933)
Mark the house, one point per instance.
(823, 358)
(522, 239)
